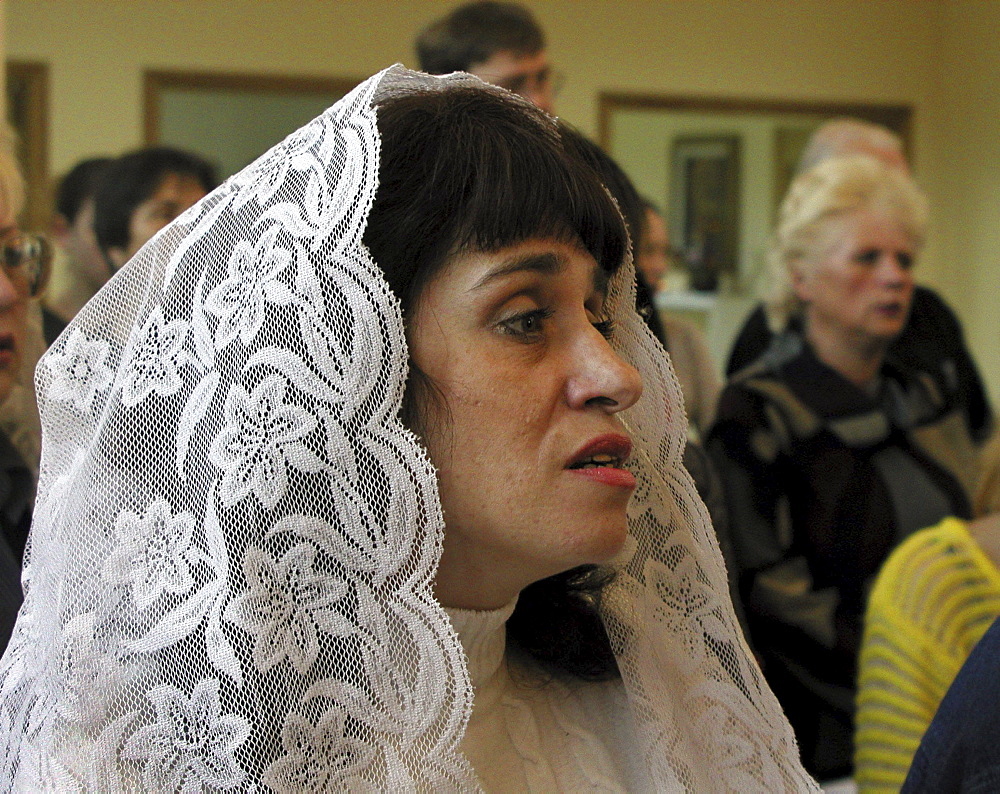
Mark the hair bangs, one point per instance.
(516, 194)
(475, 169)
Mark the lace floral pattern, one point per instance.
(155, 366)
(191, 745)
(320, 758)
(80, 371)
(229, 583)
(88, 671)
(288, 602)
(153, 555)
(253, 282)
(261, 437)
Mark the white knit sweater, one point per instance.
(532, 732)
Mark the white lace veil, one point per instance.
(229, 579)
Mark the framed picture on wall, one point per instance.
(705, 206)
(207, 112)
(789, 142)
(27, 114)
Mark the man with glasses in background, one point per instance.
(500, 43)
(25, 261)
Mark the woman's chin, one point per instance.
(604, 543)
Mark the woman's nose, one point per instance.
(601, 377)
(897, 269)
(9, 294)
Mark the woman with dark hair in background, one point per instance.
(369, 493)
(141, 192)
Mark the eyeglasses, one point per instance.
(545, 79)
(27, 260)
(529, 84)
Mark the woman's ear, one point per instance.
(801, 280)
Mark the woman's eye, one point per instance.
(868, 257)
(905, 260)
(526, 325)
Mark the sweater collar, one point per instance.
(484, 639)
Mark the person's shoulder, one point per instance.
(958, 750)
(686, 339)
(757, 399)
(751, 340)
(926, 298)
(929, 311)
(923, 556)
(769, 366)
(926, 399)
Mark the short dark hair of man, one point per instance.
(474, 32)
(79, 184)
(135, 177)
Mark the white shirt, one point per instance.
(530, 731)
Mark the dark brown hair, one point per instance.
(474, 32)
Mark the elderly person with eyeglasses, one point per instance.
(24, 268)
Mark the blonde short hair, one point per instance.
(810, 215)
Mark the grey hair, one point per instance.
(809, 215)
(847, 136)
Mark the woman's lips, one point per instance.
(602, 459)
(607, 475)
(891, 309)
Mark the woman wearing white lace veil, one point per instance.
(236, 575)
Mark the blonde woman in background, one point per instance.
(829, 452)
(932, 602)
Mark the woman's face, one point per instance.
(175, 194)
(654, 250)
(858, 291)
(524, 432)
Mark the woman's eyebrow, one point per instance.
(548, 264)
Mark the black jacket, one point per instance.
(806, 461)
(16, 491)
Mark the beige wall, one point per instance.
(965, 152)
(97, 49)
(941, 56)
